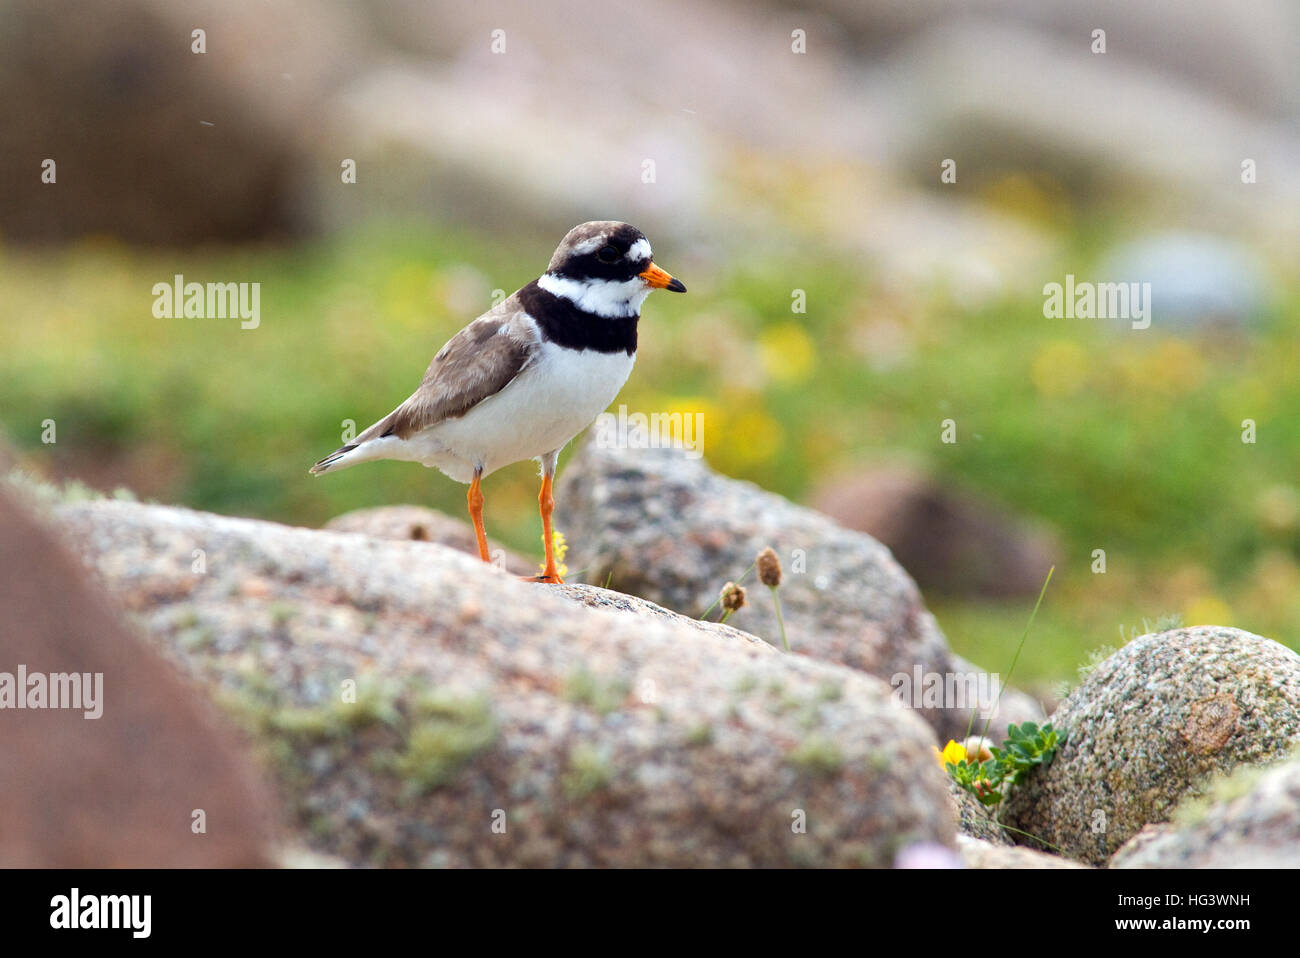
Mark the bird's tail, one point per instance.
(335, 460)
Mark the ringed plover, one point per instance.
(528, 375)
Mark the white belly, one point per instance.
(538, 412)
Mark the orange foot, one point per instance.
(552, 579)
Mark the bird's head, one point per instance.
(606, 268)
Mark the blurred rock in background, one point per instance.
(952, 542)
(555, 118)
(151, 143)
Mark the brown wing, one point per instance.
(478, 362)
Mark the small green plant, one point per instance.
(1026, 747)
(1127, 634)
(445, 734)
(1163, 623)
(1095, 658)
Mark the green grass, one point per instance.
(1122, 441)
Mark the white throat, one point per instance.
(604, 297)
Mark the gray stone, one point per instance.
(610, 736)
(1150, 726)
(665, 527)
(1251, 819)
(974, 819)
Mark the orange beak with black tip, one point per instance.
(657, 278)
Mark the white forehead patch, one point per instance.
(604, 297)
(589, 245)
(638, 251)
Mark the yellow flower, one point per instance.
(953, 753)
(560, 547)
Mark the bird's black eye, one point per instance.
(609, 255)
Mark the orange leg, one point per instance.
(546, 502)
(475, 498)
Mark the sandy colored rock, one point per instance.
(497, 722)
(1150, 726)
